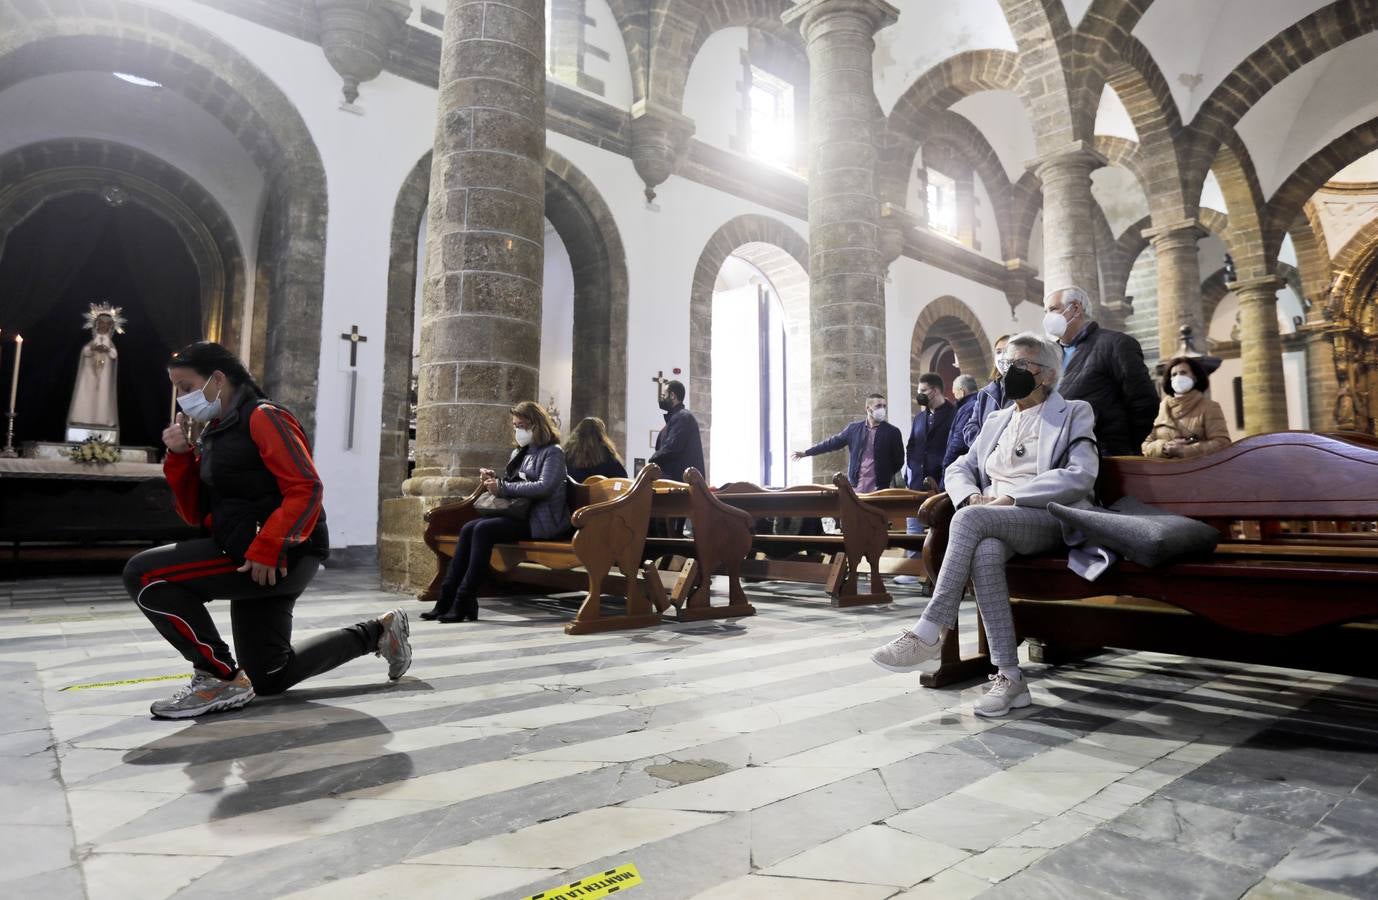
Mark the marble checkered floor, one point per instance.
(758, 759)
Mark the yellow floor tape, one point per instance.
(610, 882)
(100, 684)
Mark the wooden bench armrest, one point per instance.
(448, 519)
(936, 516)
(700, 488)
(645, 480)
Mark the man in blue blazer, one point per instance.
(875, 448)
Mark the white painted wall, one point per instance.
(1310, 108)
(1197, 43)
(1112, 118)
(1002, 118)
(1363, 169)
(712, 96)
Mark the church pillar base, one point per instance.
(405, 563)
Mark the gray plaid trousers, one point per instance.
(981, 541)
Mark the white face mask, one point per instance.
(878, 414)
(1002, 363)
(523, 436)
(1182, 383)
(1055, 325)
(196, 406)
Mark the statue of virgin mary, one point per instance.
(94, 408)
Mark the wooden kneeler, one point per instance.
(722, 540)
(865, 535)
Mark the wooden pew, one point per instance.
(610, 519)
(1269, 594)
(866, 533)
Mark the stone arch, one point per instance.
(1213, 290)
(601, 294)
(123, 36)
(681, 29)
(779, 252)
(634, 22)
(957, 76)
(949, 319)
(1026, 202)
(1244, 205)
(1313, 259)
(1145, 94)
(1289, 200)
(589, 232)
(967, 141)
(1046, 44)
(1327, 28)
(32, 175)
(1346, 259)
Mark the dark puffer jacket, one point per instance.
(1108, 372)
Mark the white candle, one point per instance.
(14, 378)
(172, 414)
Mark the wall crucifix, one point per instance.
(355, 339)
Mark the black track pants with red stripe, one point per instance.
(173, 584)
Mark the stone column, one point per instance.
(1179, 281)
(1260, 347)
(481, 310)
(846, 285)
(1069, 239)
(1322, 386)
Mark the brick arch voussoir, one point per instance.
(1146, 96)
(1048, 59)
(1313, 257)
(124, 36)
(957, 76)
(1324, 30)
(1026, 202)
(1234, 171)
(951, 320)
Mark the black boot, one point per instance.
(435, 611)
(465, 608)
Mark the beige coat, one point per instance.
(1188, 415)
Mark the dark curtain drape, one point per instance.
(74, 251)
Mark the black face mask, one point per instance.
(921, 399)
(667, 403)
(1019, 383)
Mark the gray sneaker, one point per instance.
(1003, 696)
(205, 694)
(395, 643)
(906, 653)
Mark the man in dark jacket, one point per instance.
(929, 432)
(875, 448)
(965, 389)
(1106, 369)
(679, 445)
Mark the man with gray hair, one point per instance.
(1105, 368)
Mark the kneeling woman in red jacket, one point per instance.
(251, 483)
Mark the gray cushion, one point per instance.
(1138, 532)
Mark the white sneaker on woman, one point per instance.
(1004, 695)
(906, 653)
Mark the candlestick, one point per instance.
(14, 378)
(8, 452)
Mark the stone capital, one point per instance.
(660, 138)
(1184, 233)
(1078, 157)
(1255, 290)
(356, 36)
(810, 14)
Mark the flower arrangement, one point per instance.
(94, 449)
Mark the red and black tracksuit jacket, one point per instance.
(252, 483)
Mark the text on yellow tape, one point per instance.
(609, 882)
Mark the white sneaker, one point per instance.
(1003, 696)
(906, 653)
(394, 645)
(906, 579)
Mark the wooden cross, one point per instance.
(355, 339)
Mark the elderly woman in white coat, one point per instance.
(1038, 451)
